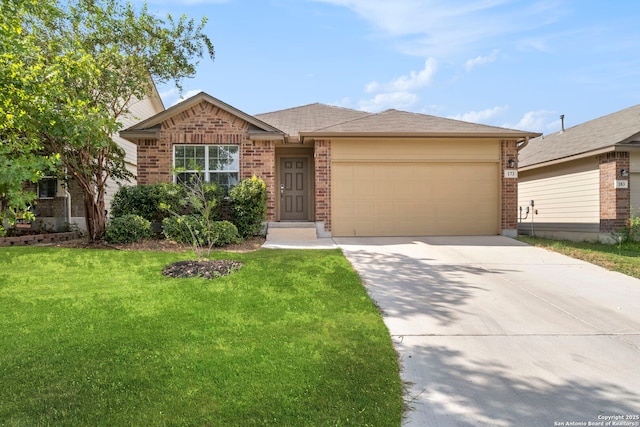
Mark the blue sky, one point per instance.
(511, 63)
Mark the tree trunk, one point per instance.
(95, 215)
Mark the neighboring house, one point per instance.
(352, 173)
(59, 206)
(584, 180)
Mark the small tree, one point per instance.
(101, 57)
(202, 199)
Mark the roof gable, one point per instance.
(176, 110)
(621, 127)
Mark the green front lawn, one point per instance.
(624, 258)
(101, 338)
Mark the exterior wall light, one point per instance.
(511, 163)
(624, 172)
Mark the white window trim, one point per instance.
(207, 172)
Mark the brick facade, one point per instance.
(205, 123)
(615, 204)
(322, 176)
(509, 188)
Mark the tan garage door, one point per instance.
(414, 198)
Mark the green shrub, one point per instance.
(145, 200)
(224, 233)
(184, 228)
(248, 206)
(128, 229)
(187, 228)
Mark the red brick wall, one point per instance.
(258, 158)
(323, 182)
(509, 187)
(205, 123)
(615, 204)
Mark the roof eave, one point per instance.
(267, 136)
(509, 135)
(137, 135)
(195, 100)
(612, 148)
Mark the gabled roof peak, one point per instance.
(604, 132)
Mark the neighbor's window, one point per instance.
(47, 188)
(219, 163)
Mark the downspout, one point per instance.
(67, 196)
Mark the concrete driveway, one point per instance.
(493, 332)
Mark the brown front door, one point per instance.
(294, 175)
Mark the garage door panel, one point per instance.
(415, 198)
(363, 172)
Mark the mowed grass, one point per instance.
(101, 338)
(623, 258)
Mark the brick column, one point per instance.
(322, 177)
(615, 203)
(509, 190)
(259, 158)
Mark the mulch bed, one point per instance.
(206, 269)
(160, 245)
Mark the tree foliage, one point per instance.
(98, 57)
(23, 86)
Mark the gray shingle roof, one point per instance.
(621, 127)
(310, 117)
(394, 121)
(320, 118)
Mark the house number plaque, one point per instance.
(510, 173)
(621, 183)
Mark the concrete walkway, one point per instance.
(493, 332)
(319, 243)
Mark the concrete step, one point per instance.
(291, 231)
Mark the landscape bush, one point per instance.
(128, 228)
(248, 206)
(184, 228)
(194, 228)
(146, 200)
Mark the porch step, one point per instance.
(291, 231)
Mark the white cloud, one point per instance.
(187, 95)
(400, 92)
(384, 101)
(543, 121)
(481, 60)
(344, 103)
(172, 96)
(484, 116)
(443, 28)
(413, 81)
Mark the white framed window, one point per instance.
(219, 164)
(47, 187)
